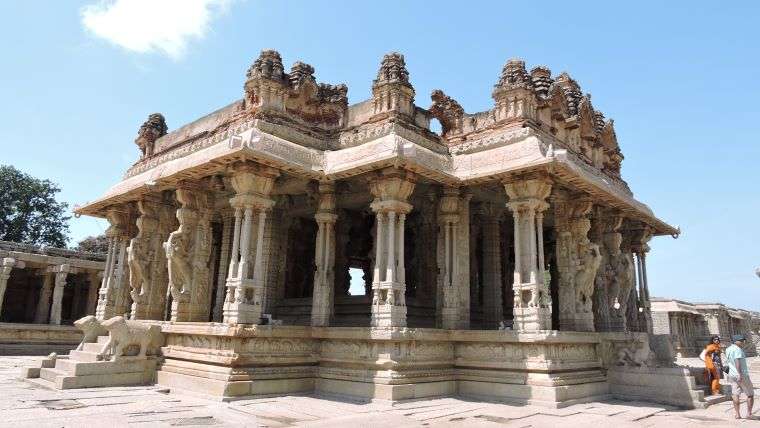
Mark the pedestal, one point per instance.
(245, 307)
(532, 318)
(390, 309)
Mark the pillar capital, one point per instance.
(252, 179)
(118, 219)
(640, 237)
(9, 263)
(526, 189)
(490, 212)
(392, 184)
(389, 206)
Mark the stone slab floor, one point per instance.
(26, 405)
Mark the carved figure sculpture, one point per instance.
(123, 335)
(177, 254)
(590, 259)
(91, 328)
(637, 354)
(139, 257)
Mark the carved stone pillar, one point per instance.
(94, 278)
(43, 304)
(448, 217)
(427, 264)
(244, 301)
(188, 251)
(324, 257)
(391, 189)
(625, 276)
(148, 279)
(61, 272)
(224, 261)
(640, 249)
(463, 261)
(113, 297)
(492, 309)
(616, 273)
(8, 263)
(578, 261)
(532, 302)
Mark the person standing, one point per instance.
(738, 374)
(713, 365)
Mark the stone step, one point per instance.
(41, 382)
(84, 356)
(50, 375)
(82, 368)
(715, 399)
(102, 339)
(93, 347)
(104, 380)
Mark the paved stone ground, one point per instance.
(25, 405)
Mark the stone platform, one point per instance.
(37, 339)
(28, 405)
(547, 368)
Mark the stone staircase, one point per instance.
(705, 394)
(85, 369)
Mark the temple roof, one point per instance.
(290, 121)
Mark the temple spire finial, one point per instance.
(150, 131)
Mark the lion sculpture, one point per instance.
(91, 328)
(124, 336)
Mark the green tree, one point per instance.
(29, 212)
(93, 244)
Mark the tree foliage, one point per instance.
(29, 212)
(93, 244)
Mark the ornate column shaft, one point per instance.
(224, 266)
(43, 304)
(532, 302)
(113, 297)
(391, 189)
(188, 254)
(639, 246)
(244, 302)
(324, 277)
(578, 260)
(449, 217)
(492, 309)
(60, 272)
(94, 278)
(147, 260)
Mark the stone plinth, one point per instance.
(36, 339)
(222, 361)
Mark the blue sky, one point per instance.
(680, 80)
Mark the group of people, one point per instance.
(736, 370)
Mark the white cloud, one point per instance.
(146, 26)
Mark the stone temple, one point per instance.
(503, 257)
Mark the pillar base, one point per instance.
(242, 313)
(389, 311)
(384, 315)
(583, 322)
(450, 318)
(617, 324)
(532, 319)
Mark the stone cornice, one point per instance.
(516, 151)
